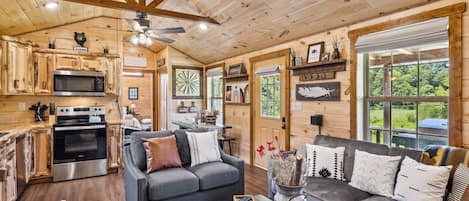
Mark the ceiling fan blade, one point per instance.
(135, 26)
(170, 30)
(166, 40)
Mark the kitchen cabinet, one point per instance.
(113, 68)
(115, 144)
(8, 171)
(41, 153)
(17, 68)
(67, 62)
(92, 64)
(43, 68)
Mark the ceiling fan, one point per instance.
(145, 34)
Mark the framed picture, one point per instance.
(325, 56)
(228, 93)
(314, 52)
(133, 93)
(237, 69)
(187, 82)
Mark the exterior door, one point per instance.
(270, 109)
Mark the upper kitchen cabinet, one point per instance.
(113, 69)
(92, 64)
(67, 62)
(17, 68)
(43, 68)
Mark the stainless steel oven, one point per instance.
(80, 144)
(78, 83)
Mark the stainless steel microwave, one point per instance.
(79, 83)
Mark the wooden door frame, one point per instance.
(280, 53)
(455, 113)
(159, 71)
(204, 101)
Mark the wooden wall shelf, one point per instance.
(228, 103)
(322, 70)
(239, 77)
(73, 52)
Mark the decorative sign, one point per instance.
(187, 82)
(237, 69)
(133, 93)
(135, 61)
(160, 62)
(80, 38)
(329, 91)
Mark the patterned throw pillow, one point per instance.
(203, 147)
(417, 181)
(325, 162)
(374, 174)
(460, 183)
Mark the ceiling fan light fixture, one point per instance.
(203, 26)
(148, 42)
(51, 5)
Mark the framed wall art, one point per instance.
(133, 93)
(187, 82)
(329, 91)
(314, 52)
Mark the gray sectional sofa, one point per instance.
(214, 181)
(321, 189)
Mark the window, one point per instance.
(405, 95)
(270, 96)
(215, 95)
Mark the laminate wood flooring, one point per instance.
(111, 188)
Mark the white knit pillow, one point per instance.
(460, 183)
(203, 147)
(375, 174)
(417, 181)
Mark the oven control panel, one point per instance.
(75, 111)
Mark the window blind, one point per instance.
(214, 72)
(431, 31)
(268, 70)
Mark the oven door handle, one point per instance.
(73, 128)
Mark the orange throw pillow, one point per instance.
(162, 153)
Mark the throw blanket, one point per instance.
(445, 155)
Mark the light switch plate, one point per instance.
(21, 106)
(296, 106)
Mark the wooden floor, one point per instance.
(111, 188)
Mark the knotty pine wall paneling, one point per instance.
(336, 114)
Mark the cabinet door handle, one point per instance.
(16, 84)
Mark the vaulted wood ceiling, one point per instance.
(246, 25)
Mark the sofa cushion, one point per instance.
(215, 174)
(350, 147)
(333, 190)
(162, 152)
(170, 183)
(378, 198)
(183, 144)
(136, 146)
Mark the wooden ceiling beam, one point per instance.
(155, 3)
(131, 1)
(142, 2)
(148, 10)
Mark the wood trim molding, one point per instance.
(204, 102)
(454, 12)
(287, 54)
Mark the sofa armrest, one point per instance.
(238, 164)
(136, 184)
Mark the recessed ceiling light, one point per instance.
(51, 5)
(203, 26)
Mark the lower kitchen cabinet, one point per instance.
(8, 171)
(41, 153)
(114, 144)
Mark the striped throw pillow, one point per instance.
(460, 183)
(203, 147)
(417, 181)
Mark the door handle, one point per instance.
(284, 123)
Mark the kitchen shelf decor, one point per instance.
(322, 70)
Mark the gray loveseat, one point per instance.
(214, 181)
(321, 189)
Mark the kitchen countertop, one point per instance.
(17, 129)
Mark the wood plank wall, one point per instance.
(336, 114)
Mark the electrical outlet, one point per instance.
(22, 106)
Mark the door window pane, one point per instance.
(270, 96)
